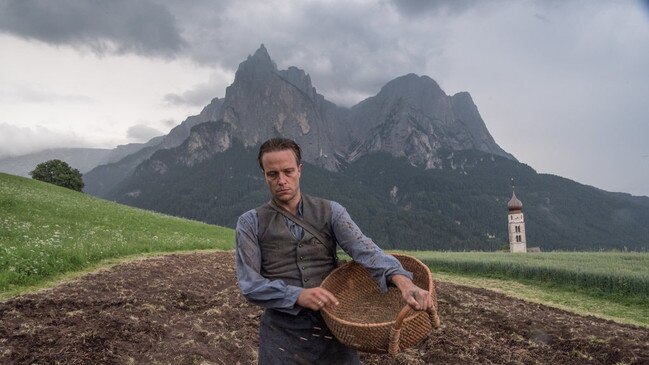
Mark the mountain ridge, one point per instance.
(264, 102)
(416, 168)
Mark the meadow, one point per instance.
(612, 285)
(604, 273)
(48, 232)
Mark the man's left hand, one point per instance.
(416, 297)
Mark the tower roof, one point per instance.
(514, 203)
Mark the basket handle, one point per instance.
(395, 331)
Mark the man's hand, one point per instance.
(316, 298)
(416, 297)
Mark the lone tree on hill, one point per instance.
(59, 173)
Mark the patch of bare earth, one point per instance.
(187, 309)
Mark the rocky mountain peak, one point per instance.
(419, 90)
(410, 117)
(299, 79)
(264, 102)
(262, 57)
(413, 117)
(257, 66)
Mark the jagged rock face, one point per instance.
(468, 119)
(405, 132)
(420, 94)
(263, 102)
(205, 141)
(299, 79)
(178, 134)
(412, 117)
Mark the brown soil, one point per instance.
(186, 309)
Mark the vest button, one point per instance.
(301, 257)
(306, 279)
(300, 245)
(303, 267)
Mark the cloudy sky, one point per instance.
(562, 85)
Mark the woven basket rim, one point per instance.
(412, 314)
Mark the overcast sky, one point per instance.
(562, 85)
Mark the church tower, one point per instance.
(516, 224)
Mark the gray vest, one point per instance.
(304, 262)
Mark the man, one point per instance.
(280, 264)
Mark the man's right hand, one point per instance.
(316, 298)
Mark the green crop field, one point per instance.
(608, 273)
(46, 231)
(613, 285)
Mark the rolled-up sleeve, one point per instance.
(267, 293)
(363, 250)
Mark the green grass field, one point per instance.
(48, 233)
(607, 273)
(612, 285)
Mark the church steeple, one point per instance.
(516, 223)
(514, 203)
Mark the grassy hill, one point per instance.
(46, 231)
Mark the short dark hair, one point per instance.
(279, 144)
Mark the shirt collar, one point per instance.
(300, 207)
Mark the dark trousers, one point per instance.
(300, 339)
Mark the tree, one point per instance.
(59, 173)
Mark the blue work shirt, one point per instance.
(277, 294)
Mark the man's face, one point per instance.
(282, 175)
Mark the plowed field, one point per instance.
(186, 309)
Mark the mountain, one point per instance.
(460, 206)
(411, 116)
(264, 102)
(416, 168)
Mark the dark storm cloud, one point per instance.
(350, 49)
(119, 26)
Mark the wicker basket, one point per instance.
(370, 321)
